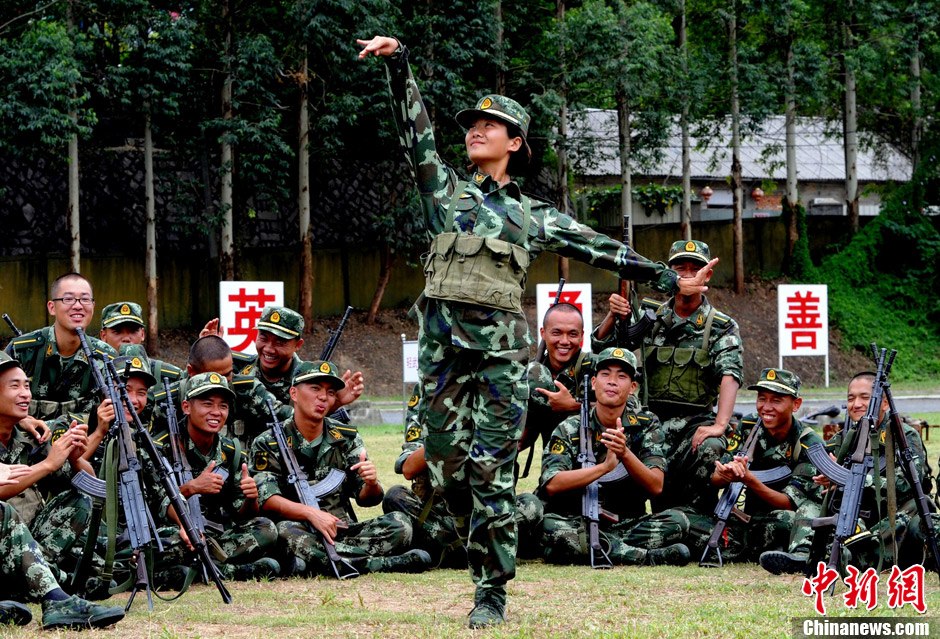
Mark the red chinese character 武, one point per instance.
(818, 585)
(863, 587)
(907, 587)
(247, 318)
(803, 315)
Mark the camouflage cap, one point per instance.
(690, 250)
(206, 383)
(122, 313)
(309, 372)
(282, 322)
(501, 108)
(7, 362)
(778, 380)
(618, 356)
(134, 364)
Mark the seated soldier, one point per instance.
(122, 325)
(435, 529)
(52, 358)
(554, 390)
(872, 546)
(50, 467)
(620, 436)
(229, 504)
(249, 416)
(27, 577)
(770, 508)
(321, 445)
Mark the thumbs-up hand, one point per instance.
(247, 484)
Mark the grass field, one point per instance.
(735, 601)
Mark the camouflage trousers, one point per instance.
(474, 406)
(61, 526)
(740, 541)
(564, 538)
(382, 536)
(240, 543)
(26, 575)
(437, 533)
(688, 471)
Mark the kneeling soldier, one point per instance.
(621, 436)
(228, 494)
(321, 445)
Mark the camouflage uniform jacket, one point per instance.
(489, 210)
(338, 447)
(280, 388)
(905, 492)
(724, 349)
(768, 454)
(645, 439)
(224, 506)
(540, 415)
(58, 385)
(414, 441)
(247, 418)
(23, 449)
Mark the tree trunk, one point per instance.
(227, 253)
(500, 50)
(917, 124)
(850, 124)
(626, 183)
(562, 148)
(385, 274)
(303, 201)
(686, 217)
(792, 195)
(153, 325)
(736, 178)
(74, 219)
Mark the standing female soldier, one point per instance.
(473, 338)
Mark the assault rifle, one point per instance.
(340, 414)
(183, 473)
(728, 504)
(16, 332)
(852, 479)
(310, 495)
(590, 502)
(141, 530)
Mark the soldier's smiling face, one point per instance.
(76, 314)
(207, 413)
(563, 331)
(776, 411)
(488, 141)
(137, 393)
(275, 353)
(14, 394)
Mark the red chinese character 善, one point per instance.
(803, 318)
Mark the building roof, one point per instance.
(819, 152)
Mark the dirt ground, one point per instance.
(376, 350)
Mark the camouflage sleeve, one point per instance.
(727, 354)
(599, 344)
(265, 467)
(560, 234)
(738, 437)
(435, 181)
(652, 448)
(540, 377)
(414, 437)
(560, 453)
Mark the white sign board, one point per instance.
(803, 321)
(240, 307)
(409, 361)
(578, 295)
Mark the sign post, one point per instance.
(803, 321)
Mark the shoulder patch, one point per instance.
(648, 302)
(248, 370)
(242, 380)
(721, 318)
(30, 340)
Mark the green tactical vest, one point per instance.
(462, 267)
(677, 377)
